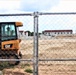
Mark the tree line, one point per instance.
(31, 33)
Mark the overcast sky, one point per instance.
(37, 5)
(22, 6)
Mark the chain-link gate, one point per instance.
(48, 42)
(57, 43)
(26, 35)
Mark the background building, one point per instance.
(56, 32)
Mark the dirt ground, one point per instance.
(49, 49)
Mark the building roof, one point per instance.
(21, 31)
(57, 31)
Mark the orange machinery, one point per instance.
(9, 41)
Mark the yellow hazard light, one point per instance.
(18, 24)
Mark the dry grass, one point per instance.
(52, 48)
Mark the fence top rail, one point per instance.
(40, 13)
(58, 13)
(19, 14)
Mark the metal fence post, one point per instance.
(35, 56)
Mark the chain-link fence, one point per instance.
(48, 43)
(26, 45)
(57, 38)
(57, 43)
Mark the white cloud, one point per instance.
(38, 5)
(65, 6)
(26, 5)
(50, 22)
(8, 5)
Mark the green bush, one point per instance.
(29, 70)
(24, 65)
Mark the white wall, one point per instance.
(55, 33)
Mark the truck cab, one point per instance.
(9, 41)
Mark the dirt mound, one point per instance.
(12, 72)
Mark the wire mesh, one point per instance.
(57, 40)
(57, 68)
(56, 47)
(26, 45)
(57, 36)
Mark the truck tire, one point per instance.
(12, 63)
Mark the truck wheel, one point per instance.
(0, 58)
(12, 63)
(20, 54)
(4, 62)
